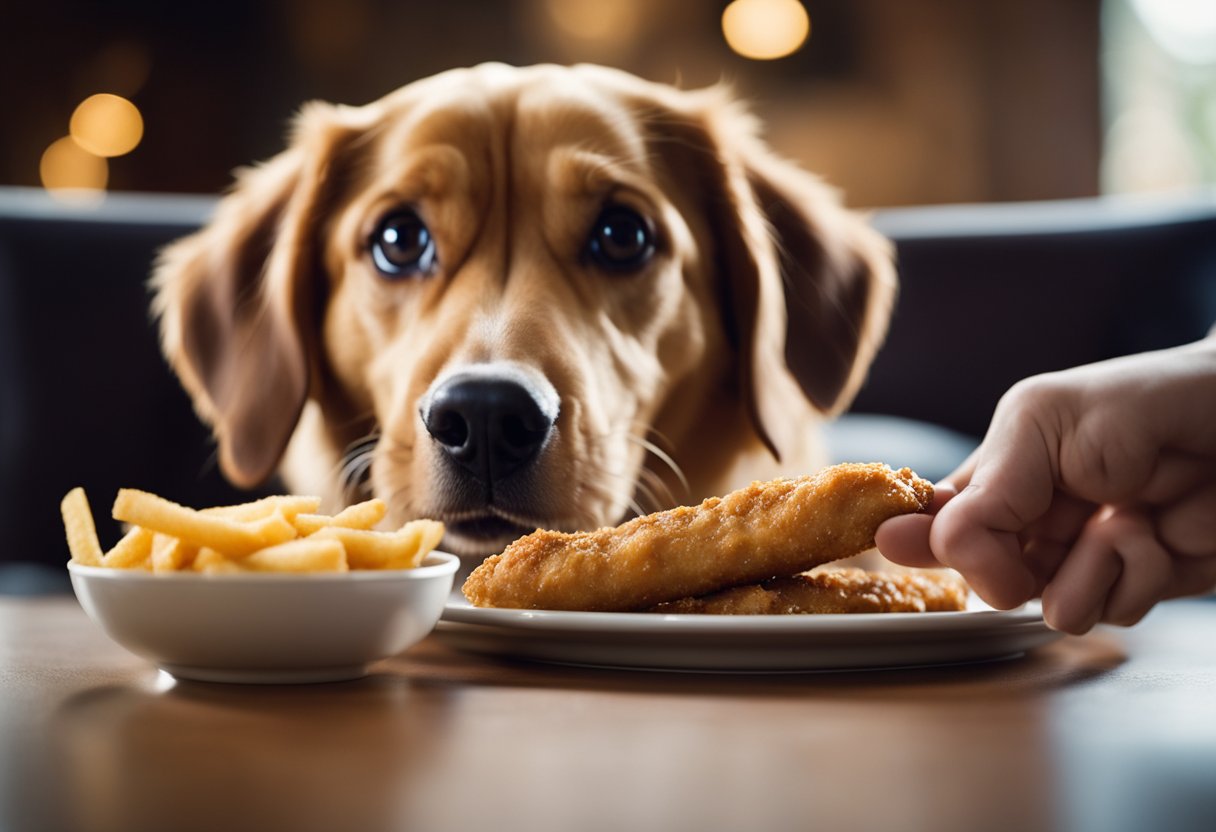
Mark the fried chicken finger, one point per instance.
(765, 530)
(832, 591)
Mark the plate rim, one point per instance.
(749, 644)
(633, 623)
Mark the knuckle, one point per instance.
(1189, 528)
(1032, 394)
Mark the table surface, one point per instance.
(1115, 730)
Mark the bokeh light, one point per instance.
(613, 22)
(106, 125)
(66, 166)
(764, 30)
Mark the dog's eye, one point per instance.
(403, 245)
(621, 239)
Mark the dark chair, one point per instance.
(990, 294)
(85, 397)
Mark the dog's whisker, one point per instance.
(643, 487)
(645, 483)
(353, 471)
(647, 499)
(360, 473)
(660, 438)
(370, 438)
(663, 456)
(653, 483)
(343, 474)
(605, 494)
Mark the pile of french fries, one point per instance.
(274, 534)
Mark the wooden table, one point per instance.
(1113, 731)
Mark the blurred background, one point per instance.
(987, 133)
(898, 102)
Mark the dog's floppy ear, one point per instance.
(808, 285)
(236, 301)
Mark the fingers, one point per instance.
(1047, 541)
(905, 539)
(1175, 475)
(943, 493)
(1188, 527)
(981, 541)
(1116, 572)
(1130, 432)
(1011, 482)
(989, 559)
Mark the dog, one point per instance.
(518, 298)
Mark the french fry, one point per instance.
(290, 505)
(211, 562)
(364, 549)
(307, 555)
(293, 556)
(230, 537)
(425, 534)
(279, 534)
(131, 552)
(402, 549)
(80, 529)
(363, 515)
(169, 554)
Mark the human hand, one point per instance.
(1094, 488)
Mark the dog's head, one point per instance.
(520, 287)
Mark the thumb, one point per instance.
(1011, 486)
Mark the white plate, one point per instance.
(748, 644)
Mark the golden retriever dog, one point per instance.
(511, 298)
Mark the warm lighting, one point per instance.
(596, 20)
(765, 29)
(107, 125)
(66, 166)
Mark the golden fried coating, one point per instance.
(766, 530)
(821, 591)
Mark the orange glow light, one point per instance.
(65, 166)
(764, 30)
(107, 125)
(596, 20)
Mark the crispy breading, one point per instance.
(766, 530)
(822, 591)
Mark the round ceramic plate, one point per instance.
(747, 644)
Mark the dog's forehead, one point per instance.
(568, 107)
(542, 106)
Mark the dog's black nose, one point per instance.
(490, 426)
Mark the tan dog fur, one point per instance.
(758, 315)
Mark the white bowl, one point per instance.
(264, 627)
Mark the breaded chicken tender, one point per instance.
(766, 530)
(823, 591)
